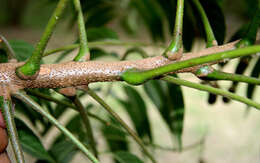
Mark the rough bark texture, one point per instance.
(82, 73)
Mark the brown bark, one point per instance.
(82, 73)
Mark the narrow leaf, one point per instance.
(22, 49)
(137, 110)
(169, 101)
(30, 142)
(101, 33)
(126, 157)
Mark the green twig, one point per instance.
(209, 73)
(211, 40)
(213, 90)
(136, 77)
(123, 124)
(31, 67)
(26, 99)
(70, 105)
(65, 48)
(84, 115)
(175, 47)
(8, 114)
(83, 53)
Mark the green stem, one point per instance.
(136, 77)
(213, 90)
(176, 43)
(8, 114)
(211, 40)
(83, 53)
(50, 98)
(26, 99)
(68, 104)
(209, 73)
(84, 115)
(123, 124)
(7, 46)
(65, 48)
(32, 66)
(98, 43)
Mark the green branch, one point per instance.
(83, 53)
(122, 123)
(26, 99)
(175, 47)
(213, 90)
(211, 40)
(84, 115)
(8, 114)
(136, 77)
(31, 67)
(209, 73)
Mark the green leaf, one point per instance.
(22, 49)
(216, 18)
(129, 21)
(250, 36)
(75, 126)
(63, 151)
(101, 33)
(28, 112)
(30, 142)
(169, 9)
(188, 27)
(3, 56)
(255, 73)
(251, 5)
(126, 157)
(241, 32)
(137, 110)
(115, 138)
(152, 15)
(99, 12)
(169, 101)
(96, 53)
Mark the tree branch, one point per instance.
(82, 73)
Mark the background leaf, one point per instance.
(22, 49)
(101, 33)
(115, 138)
(216, 18)
(169, 101)
(126, 157)
(30, 142)
(136, 108)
